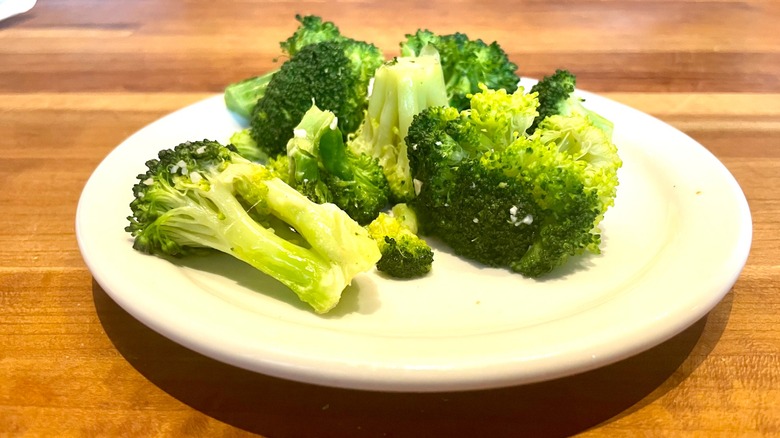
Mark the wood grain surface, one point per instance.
(78, 76)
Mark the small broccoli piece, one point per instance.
(311, 30)
(556, 97)
(466, 64)
(498, 196)
(332, 74)
(404, 254)
(246, 146)
(322, 168)
(401, 89)
(202, 196)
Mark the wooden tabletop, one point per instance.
(79, 76)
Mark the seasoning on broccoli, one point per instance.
(203, 196)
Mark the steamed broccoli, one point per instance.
(335, 75)
(466, 64)
(322, 168)
(202, 196)
(401, 88)
(246, 146)
(503, 198)
(556, 97)
(404, 254)
(242, 96)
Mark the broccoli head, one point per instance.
(322, 168)
(404, 254)
(556, 97)
(311, 30)
(466, 63)
(242, 96)
(203, 196)
(332, 74)
(503, 198)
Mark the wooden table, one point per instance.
(79, 76)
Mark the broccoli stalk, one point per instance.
(202, 196)
(404, 254)
(401, 89)
(242, 96)
(322, 168)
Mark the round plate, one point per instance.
(673, 245)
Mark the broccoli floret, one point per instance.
(466, 64)
(311, 30)
(401, 88)
(322, 168)
(332, 74)
(242, 96)
(556, 97)
(202, 196)
(404, 254)
(246, 146)
(498, 196)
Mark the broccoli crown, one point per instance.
(242, 96)
(404, 254)
(322, 168)
(311, 30)
(203, 196)
(401, 89)
(332, 74)
(503, 198)
(556, 97)
(466, 64)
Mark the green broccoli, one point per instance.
(501, 197)
(246, 146)
(242, 96)
(322, 168)
(401, 88)
(335, 75)
(404, 254)
(202, 196)
(311, 30)
(466, 64)
(556, 97)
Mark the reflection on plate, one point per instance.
(674, 244)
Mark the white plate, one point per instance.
(674, 244)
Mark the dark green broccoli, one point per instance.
(500, 197)
(202, 196)
(322, 168)
(242, 96)
(466, 64)
(404, 254)
(331, 74)
(556, 97)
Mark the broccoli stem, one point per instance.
(241, 97)
(304, 271)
